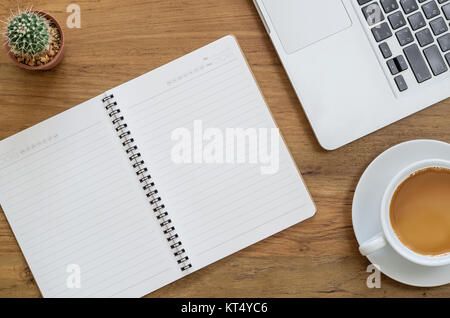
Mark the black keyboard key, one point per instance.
(435, 60)
(442, 1)
(385, 50)
(444, 42)
(401, 84)
(389, 5)
(381, 32)
(392, 67)
(404, 36)
(446, 10)
(397, 65)
(397, 20)
(362, 2)
(417, 21)
(447, 57)
(430, 9)
(373, 13)
(424, 37)
(417, 63)
(409, 6)
(439, 26)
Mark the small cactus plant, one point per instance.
(28, 34)
(34, 39)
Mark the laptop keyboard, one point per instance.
(421, 32)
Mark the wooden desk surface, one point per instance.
(120, 40)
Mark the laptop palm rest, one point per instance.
(300, 23)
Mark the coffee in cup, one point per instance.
(420, 211)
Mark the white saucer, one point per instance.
(366, 210)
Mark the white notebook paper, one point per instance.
(142, 185)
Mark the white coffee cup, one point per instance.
(388, 236)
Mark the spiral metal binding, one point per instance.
(146, 180)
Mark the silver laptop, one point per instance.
(360, 65)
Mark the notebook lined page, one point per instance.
(217, 208)
(75, 206)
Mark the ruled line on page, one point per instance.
(240, 220)
(191, 218)
(133, 266)
(94, 197)
(64, 174)
(31, 205)
(47, 237)
(93, 270)
(250, 230)
(120, 247)
(157, 115)
(18, 179)
(162, 157)
(93, 261)
(225, 174)
(195, 90)
(56, 142)
(79, 247)
(157, 103)
(133, 269)
(163, 143)
(174, 87)
(189, 121)
(140, 282)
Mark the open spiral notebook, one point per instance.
(99, 205)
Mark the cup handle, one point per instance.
(373, 244)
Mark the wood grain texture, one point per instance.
(120, 40)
